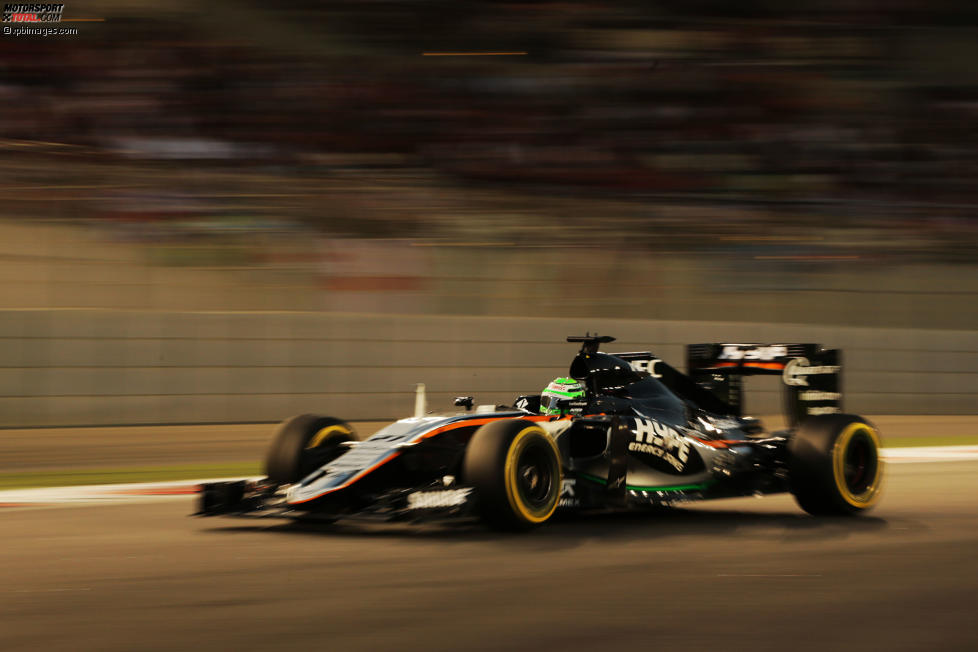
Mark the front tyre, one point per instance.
(304, 443)
(834, 465)
(514, 468)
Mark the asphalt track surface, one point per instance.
(745, 574)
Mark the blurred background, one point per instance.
(239, 211)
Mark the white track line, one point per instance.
(106, 493)
(930, 454)
(154, 491)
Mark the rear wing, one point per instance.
(811, 375)
(714, 380)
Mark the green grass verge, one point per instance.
(74, 477)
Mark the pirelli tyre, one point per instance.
(514, 468)
(834, 465)
(304, 443)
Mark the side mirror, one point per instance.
(528, 403)
(464, 401)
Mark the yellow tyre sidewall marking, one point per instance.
(516, 447)
(868, 497)
(324, 434)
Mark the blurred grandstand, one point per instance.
(751, 158)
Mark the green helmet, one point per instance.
(558, 390)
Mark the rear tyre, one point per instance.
(834, 465)
(514, 468)
(304, 443)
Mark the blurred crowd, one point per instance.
(749, 126)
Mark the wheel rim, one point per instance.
(324, 435)
(856, 465)
(532, 476)
(535, 476)
(859, 467)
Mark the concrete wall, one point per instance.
(89, 367)
(58, 266)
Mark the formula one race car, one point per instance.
(638, 434)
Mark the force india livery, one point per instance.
(638, 433)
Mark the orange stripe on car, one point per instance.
(396, 454)
(776, 366)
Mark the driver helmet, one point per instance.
(559, 389)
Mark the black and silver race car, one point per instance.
(643, 435)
